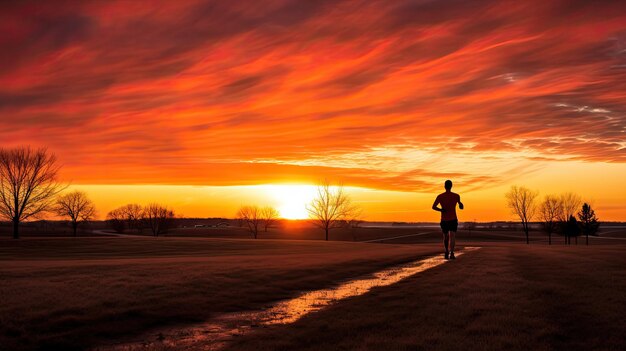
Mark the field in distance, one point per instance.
(303, 230)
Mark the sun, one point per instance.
(292, 199)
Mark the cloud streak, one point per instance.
(391, 95)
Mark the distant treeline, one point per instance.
(566, 214)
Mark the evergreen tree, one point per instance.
(588, 221)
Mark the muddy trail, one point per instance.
(217, 332)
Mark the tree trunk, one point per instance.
(526, 231)
(326, 234)
(527, 242)
(16, 225)
(74, 227)
(549, 238)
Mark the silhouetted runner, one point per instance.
(449, 222)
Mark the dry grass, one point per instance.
(70, 294)
(300, 231)
(502, 297)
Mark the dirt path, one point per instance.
(502, 297)
(218, 332)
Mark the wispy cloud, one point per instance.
(385, 94)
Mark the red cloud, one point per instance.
(235, 92)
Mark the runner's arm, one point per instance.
(460, 204)
(437, 202)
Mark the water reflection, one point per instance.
(214, 334)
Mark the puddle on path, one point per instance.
(216, 333)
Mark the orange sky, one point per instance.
(198, 104)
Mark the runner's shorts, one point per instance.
(449, 226)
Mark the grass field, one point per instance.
(67, 294)
(78, 293)
(502, 297)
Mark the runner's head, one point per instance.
(448, 184)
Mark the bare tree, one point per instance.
(570, 202)
(521, 201)
(549, 212)
(133, 214)
(77, 206)
(571, 229)
(116, 220)
(28, 183)
(252, 216)
(331, 207)
(158, 218)
(270, 215)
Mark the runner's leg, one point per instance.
(445, 244)
(452, 241)
(444, 231)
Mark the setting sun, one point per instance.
(291, 200)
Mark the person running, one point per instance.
(449, 221)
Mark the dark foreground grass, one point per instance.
(502, 297)
(73, 294)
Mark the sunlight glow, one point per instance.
(292, 199)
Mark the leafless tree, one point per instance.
(549, 212)
(116, 220)
(331, 207)
(28, 183)
(252, 216)
(521, 201)
(158, 218)
(77, 206)
(270, 215)
(570, 202)
(133, 214)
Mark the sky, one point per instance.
(210, 105)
